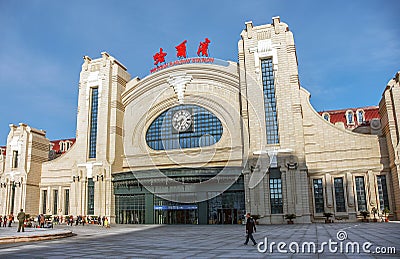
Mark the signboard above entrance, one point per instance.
(191, 61)
(176, 207)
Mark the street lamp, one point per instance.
(16, 184)
(75, 177)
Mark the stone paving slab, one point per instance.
(209, 241)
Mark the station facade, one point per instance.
(204, 140)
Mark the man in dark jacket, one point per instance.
(21, 219)
(250, 226)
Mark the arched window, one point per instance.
(350, 117)
(67, 145)
(184, 126)
(326, 116)
(360, 116)
(62, 147)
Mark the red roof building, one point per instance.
(59, 147)
(353, 118)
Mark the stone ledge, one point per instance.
(17, 239)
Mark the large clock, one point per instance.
(182, 121)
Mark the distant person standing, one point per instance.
(41, 220)
(5, 221)
(106, 223)
(21, 220)
(250, 226)
(10, 219)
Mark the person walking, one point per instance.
(250, 226)
(21, 221)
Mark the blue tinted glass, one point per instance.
(93, 123)
(205, 129)
(271, 121)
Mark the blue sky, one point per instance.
(347, 50)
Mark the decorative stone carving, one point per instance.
(179, 82)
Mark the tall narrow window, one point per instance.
(275, 188)
(361, 197)
(339, 195)
(66, 202)
(350, 117)
(55, 202)
(271, 121)
(44, 201)
(90, 196)
(360, 116)
(318, 196)
(93, 122)
(12, 197)
(383, 192)
(15, 159)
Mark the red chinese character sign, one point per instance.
(181, 50)
(159, 57)
(203, 48)
(181, 54)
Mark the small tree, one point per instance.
(256, 218)
(327, 215)
(386, 212)
(374, 212)
(365, 214)
(290, 218)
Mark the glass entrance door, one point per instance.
(227, 208)
(227, 216)
(172, 216)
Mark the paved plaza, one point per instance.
(206, 241)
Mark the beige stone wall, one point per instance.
(273, 41)
(72, 170)
(332, 151)
(214, 87)
(32, 147)
(389, 108)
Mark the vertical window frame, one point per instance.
(15, 159)
(44, 201)
(270, 106)
(319, 191)
(66, 201)
(361, 195)
(340, 195)
(55, 202)
(383, 192)
(275, 191)
(93, 120)
(90, 196)
(348, 113)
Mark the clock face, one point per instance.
(182, 120)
